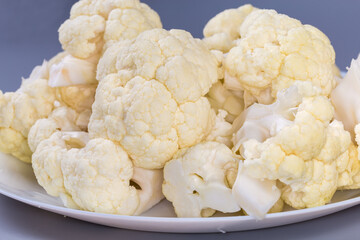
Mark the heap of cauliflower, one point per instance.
(250, 118)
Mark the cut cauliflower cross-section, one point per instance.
(198, 180)
(267, 52)
(94, 24)
(94, 175)
(303, 154)
(151, 100)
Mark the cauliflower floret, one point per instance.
(61, 119)
(35, 99)
(303, 154)
(268, 52)
(94, 175)
(19, 111)
(263, 121)
(222, 31)
(198, 180)
(151, 102)
(95, 23)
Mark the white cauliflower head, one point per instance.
(151, 101)
(198, 180)
(268, 52)
(94, 175)
(95, 23)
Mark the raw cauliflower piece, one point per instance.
(303, 154)
(19, 111)
(97, 23)
(198, 180)
(94, 175)
(268, 52)
(61, 119)
(345, 97)
(35, 99)
(263, 121)
(223, 30)
(151, 100)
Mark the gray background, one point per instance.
(28, 34)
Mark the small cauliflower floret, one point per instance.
(94, 175)
(21, 109)
(268, 52)
(151, 100)
(263, 121)
(198, 180)
(302, 154)
(61, 119)
(97, 23)
(98, 175)
(346, 97)
(46, 163)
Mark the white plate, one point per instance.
(17, 181)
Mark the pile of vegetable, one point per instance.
(250, 118)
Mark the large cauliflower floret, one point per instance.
(94, 175)
(303, 154)
(268, 52)
(198, 180)
(95, 23)
(151, 100)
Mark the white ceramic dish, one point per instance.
(17, 181)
